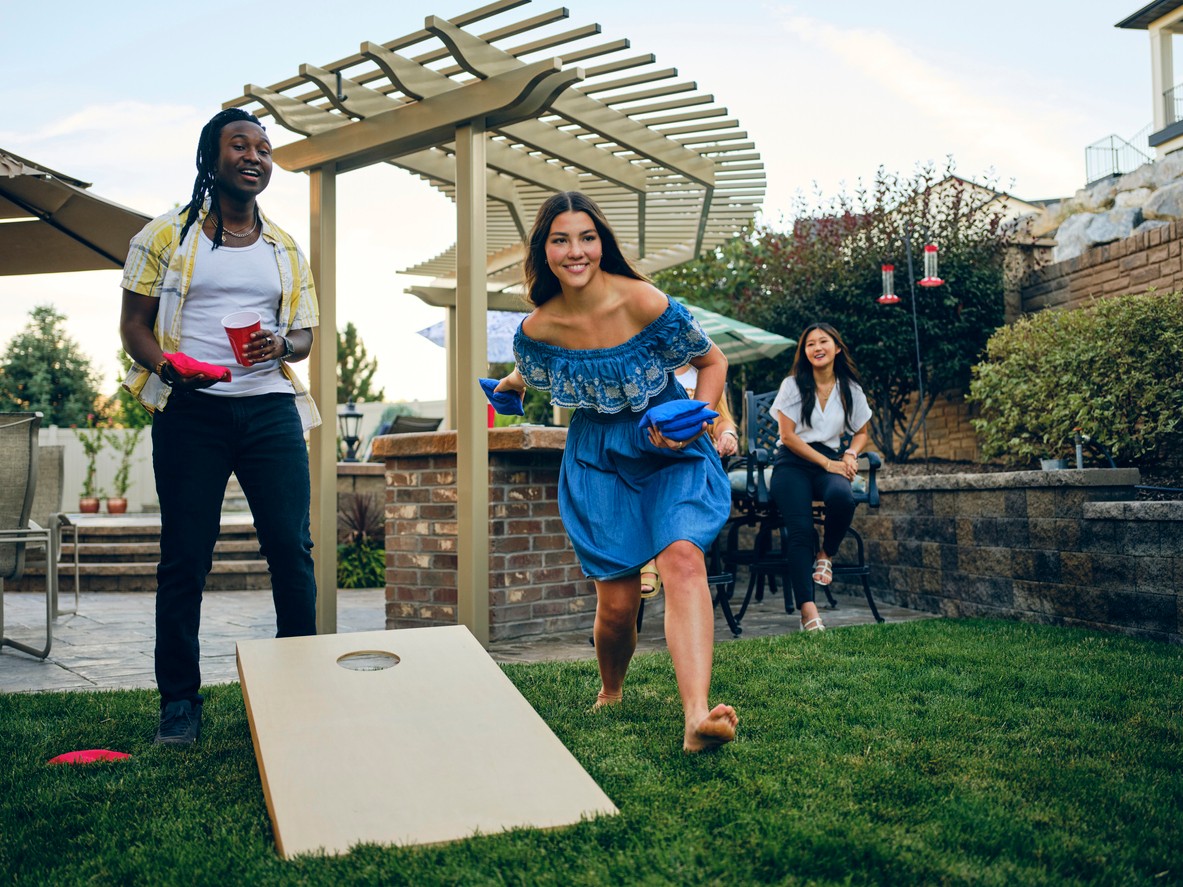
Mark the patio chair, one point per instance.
(47, 511)
(401, 425)
(18, 485)
(766, 558)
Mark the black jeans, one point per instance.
(197, 441)
(796, 484)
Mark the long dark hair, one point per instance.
(209, 149)
(845, 372)
(541, 283)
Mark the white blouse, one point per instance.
(826, 426)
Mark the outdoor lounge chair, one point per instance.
(766, 556)
(19, 459)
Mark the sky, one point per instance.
(116, 94)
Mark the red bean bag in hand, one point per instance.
(197, 369)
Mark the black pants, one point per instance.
(796, 484)
(197, 440)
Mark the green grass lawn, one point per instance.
(927, 752)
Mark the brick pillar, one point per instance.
(536, 584)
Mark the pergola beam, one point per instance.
(501, 100)
(485, 60)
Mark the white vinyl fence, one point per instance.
(141, 495)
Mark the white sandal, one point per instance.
(823, 571)
(814, 624)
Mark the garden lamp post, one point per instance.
(349, 423)
(931, 278)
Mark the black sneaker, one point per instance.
(180, 723)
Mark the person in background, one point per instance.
(605, 342)
(216, 255)
(819, 402)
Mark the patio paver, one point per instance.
(108, 644)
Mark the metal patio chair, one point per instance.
(19, 460)
(766, 557)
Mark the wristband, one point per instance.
(851, 453)
(731, 432)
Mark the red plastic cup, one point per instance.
(239, 327)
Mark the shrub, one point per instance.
(1112, 369)
(361, 565)
(361, 530)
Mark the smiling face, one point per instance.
(244, 160)
(573, 249)
(820, 349)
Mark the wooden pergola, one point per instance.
(499, 124)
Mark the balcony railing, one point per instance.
(1115, 156)
(1173, 104)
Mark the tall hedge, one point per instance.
(1114, 369)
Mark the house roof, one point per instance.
(1151, 12)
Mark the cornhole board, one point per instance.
(435, 748)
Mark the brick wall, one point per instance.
(535, 583)
(950, 436)
(1058, 547)
(1133, 265)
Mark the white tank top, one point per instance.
(225, 280)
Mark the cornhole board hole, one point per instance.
(401, 737)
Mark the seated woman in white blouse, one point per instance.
(819, 402)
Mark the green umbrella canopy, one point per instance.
(740, 342)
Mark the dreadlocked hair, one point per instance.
(209, 147)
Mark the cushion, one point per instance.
(507, 403)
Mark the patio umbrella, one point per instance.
(50, 223)
(501, 327)
(740, 342)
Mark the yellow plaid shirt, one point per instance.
(156, 267)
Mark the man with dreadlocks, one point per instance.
(187, 269)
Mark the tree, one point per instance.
(827, 268)
(44, 370)
(355, 369)
(122, 408)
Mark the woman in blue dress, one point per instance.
(605, 342)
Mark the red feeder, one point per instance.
(931, 278)
(889, 297)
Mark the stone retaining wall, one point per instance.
(1152, 259)
(1058, 547)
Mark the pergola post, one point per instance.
(472, 443)
(322, 452)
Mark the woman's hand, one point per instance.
(513, 382)
(660, 440)
(848, 468)
(727, 442)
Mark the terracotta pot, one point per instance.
(88, 505)
(117, 505)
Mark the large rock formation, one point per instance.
(1114, 208)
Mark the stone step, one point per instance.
(120, 553)
(225, 575)
(149, 552)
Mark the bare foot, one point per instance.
(717, 728)
(603, 699)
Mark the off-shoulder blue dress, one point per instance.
(623, 500)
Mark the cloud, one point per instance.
(932, 108)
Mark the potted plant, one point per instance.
(91, 439)
(125, 445)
